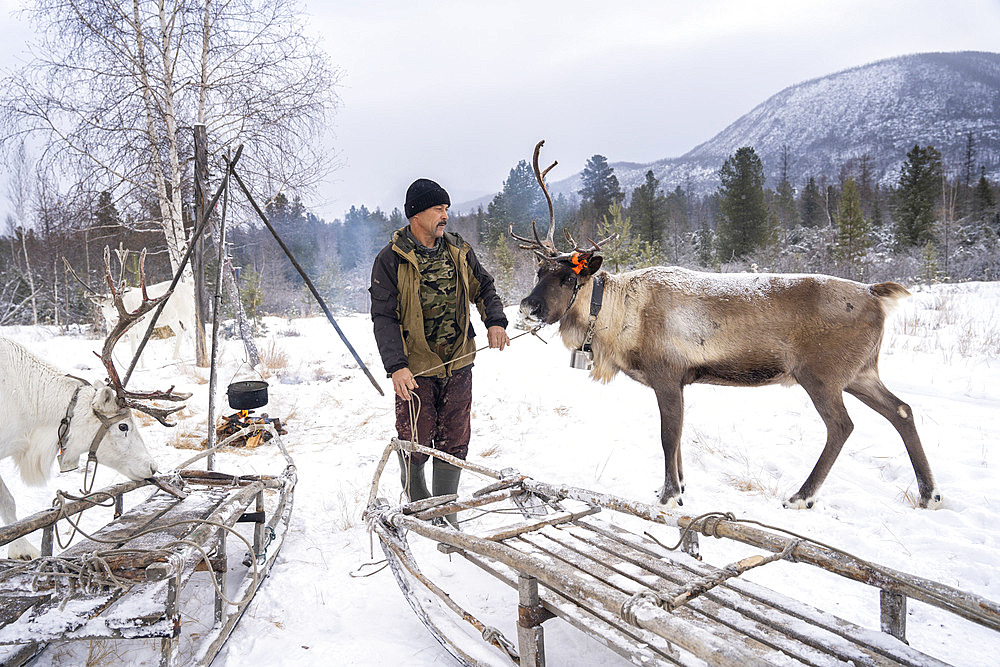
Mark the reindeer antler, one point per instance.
(536, 244)
(594, 245)
(540, 177)
(126, 320)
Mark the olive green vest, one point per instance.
(423, 360)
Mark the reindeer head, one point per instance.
(560, 275)
(121, 447)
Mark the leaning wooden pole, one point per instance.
(305, 277)
(180, 271)
(216, 303)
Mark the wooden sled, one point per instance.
(645, 601)
(129, 584)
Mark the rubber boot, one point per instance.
(445, 481)
(412, 479)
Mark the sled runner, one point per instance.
(129, 582)
(612, 579)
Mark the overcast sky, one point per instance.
(459, 91)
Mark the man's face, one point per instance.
(429, 224)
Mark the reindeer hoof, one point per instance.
(932, 501)
(22, 550)
(671, 501)
(797, 503)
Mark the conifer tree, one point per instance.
(743, 222)
(520, 202)
(648, 209)
(812, 205)
(678, 222)
(983, 201)
(705, 243)
(917, 196)
(628, 250)
(600, 185)
(784, 196)
(853, 230)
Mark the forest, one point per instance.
(930, 226)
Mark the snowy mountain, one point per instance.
(880, 110)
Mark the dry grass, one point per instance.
(193, 373)
(187, 437)
(948, 327)
(753, 479)
(320, 372)
(274, 357)
(100, 652)
(910, 497)
(346, 508)
(491, 451)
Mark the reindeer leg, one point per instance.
(20, 548)
(870, 391)
(680, 468)
(829, 402)
(670, 399)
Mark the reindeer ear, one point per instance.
(105, 400)
(594, 265)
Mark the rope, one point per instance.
(493, 636)
(708, 529)
(700, 586)
(533, 331)
(258, 558)
(360, 574)
(164, 550)
(413, 407)
(90, 573)
(60, 501)
(628, 607)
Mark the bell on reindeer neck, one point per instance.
(67, 464)
(582, 359)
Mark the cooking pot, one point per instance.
(247, 394)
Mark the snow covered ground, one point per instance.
(744, 451)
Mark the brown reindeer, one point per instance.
(669, 327)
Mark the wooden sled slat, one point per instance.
(648, 603)
(633, 643)
(804, 623)
(163, 531)
(807, 639)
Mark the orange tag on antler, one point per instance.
(579, 262)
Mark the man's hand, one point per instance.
(497, 337)
(402, 382)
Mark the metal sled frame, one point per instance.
(646, 602)
(39, 606)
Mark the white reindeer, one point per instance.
(178, 313)
(45, 412)
(34, 398)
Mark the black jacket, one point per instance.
(398, 317)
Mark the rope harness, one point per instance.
(66, 466)
(62, 435)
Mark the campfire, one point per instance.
(237, 421)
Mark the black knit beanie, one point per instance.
(422, 194)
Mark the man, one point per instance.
(422, 286)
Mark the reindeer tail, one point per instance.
(892, 292)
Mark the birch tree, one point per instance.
(115, 87)
(20, 191)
